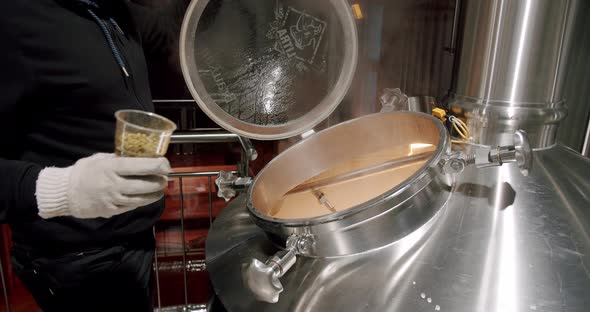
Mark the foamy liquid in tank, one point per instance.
(342, 195)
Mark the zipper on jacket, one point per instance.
(116, 39)
(130, 79)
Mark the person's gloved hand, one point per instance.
(101, 185)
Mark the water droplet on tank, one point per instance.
(423, 295)
(437, 308)
(413, 282)
(429, 300)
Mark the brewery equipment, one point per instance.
(383, 212)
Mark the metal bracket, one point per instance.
(519, 153)
(248, 154)
(229, 185)
(262, 278)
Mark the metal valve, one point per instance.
(520, 153)
(393, 100)
(228, 184)
(262, 278)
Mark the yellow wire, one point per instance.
(461, 129)
(459, 126)
(464, 127)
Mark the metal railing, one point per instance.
(4, 289)
(186, 308)
(248, 153)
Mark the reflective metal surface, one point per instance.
(268, 69)
(577, 79)
(374, 221)
(503, 243)
(511, 68)
(203, 137)
(511, 50)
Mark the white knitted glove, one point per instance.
(102, 185)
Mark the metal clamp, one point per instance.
(228, 184)
(519, 153)
(262, 278)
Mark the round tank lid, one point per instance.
(268, 69)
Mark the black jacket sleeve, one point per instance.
(17, 178)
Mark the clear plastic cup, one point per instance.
(142, 134)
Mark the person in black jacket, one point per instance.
(81, 218)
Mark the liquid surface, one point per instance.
(350, 183)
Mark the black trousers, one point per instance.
(118, 278)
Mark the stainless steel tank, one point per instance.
(445, 232)
(511, 68)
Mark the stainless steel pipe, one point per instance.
(204, 137)
(510, 68)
